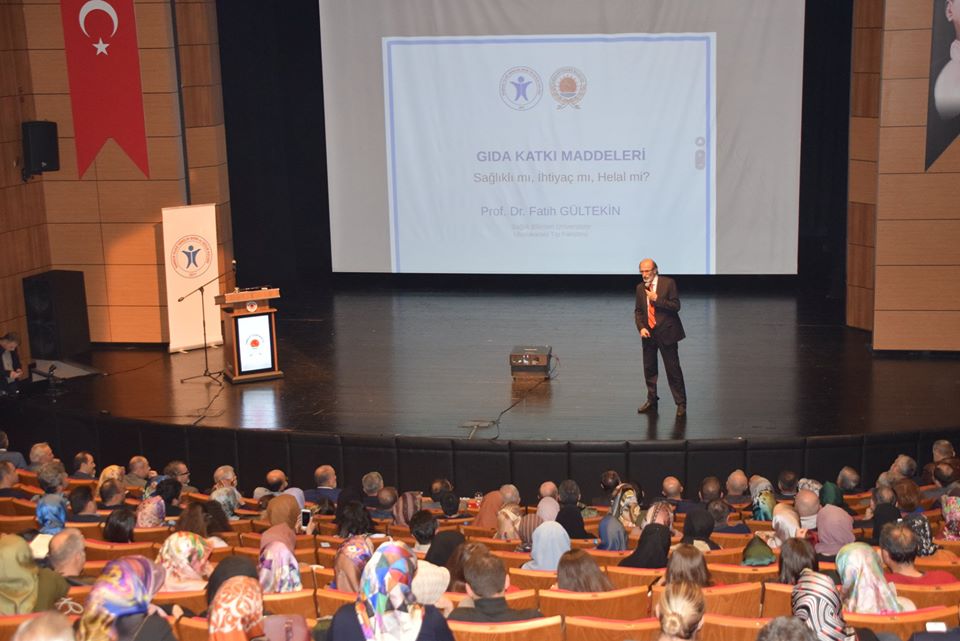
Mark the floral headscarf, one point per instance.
(125, 587)
(951, 517)
(508, 518)
(864, 588)
(625, 506)
(236, 613)
(348, 565)
(816, 602)
(386, 607)
(660, 512)
(151, 512)
(279, 569)
(185, 557)
(763, 504)
(921, 527)
(51, 513)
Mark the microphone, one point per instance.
(236, 276)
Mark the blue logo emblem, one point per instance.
(521, 88)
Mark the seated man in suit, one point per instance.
(8, 478)
(487, 582)
(14, 457)
(83, 509)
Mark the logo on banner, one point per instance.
(521, 88)
(103, 68)
(568, 86)
(191, 256)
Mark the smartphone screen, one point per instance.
(305, 517)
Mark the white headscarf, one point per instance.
(550, 541)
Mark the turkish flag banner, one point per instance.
(103, 66)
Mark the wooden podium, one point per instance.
(249, 335)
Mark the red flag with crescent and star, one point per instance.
(103, 66)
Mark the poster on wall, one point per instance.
(190, 257)
(943, 105)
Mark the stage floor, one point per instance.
(420, 363)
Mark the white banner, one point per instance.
(190, 251)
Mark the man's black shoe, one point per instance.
(648, 406)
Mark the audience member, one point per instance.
(528, 525)
(921, 527)
(886, 513)
(547, 488)
(279, 569)
(550, 541)
(151, 512)
(659, 512)
(372, 483)
(578, 572)
(673, 492)
(490, 505)
(943, 475)
(687, 563)
(386, 498)
(423, 527)
(169, 490)
(510, 494)
(348, 564)
(652, 548)
(950, 507)
(119, 526)
(834, 530)
(680, 611)
(878, 496)
(816, 601)
(67, 556)
(13, 457)
(612, 535)
(83, 509)
(508, 518)
(224, 477)
(548, 508)
(112, 495)
(796, 555)
(720, 511)
(185, 558)
(450, 505)
(810, 484)
(486, 583)
(8, 478)
(229, 500)
(904, 467)
(179, 471)
(807, 504)
(786, 629)
(47, 626)
(787, 485)
(217, 521)
(848, 480)
(406, 506)
(354, 520)
(52, 506)
(429, 586)
(569, 516)
(283, 514)
(761, 491)
(609, 481)
(908, 496)
(40, 453)
(942, 450)
(25, 588)
(325, 478)
(898, 550)
(710, 490)
(625, 506)
(865, 591)
(697, 529)
(437, 489)
(229, 567)
(757, 553)
(275, 484)
(737, 486)
(114, 473)
(84, 467)
(443, 545)
(786, 525)
(456, 562)
(236, 611)
(830, 494)
(138, 471)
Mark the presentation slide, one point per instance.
(562, 137)
(558, 151)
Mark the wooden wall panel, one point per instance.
(867, 50)
(141, 324)
(917, 196)
(44, 29)
(72, 201)
(903, 102)
(863, 182)
(918, 242)
(860, 266)
(165, 156)
(917, 330)
(138, 201)
(906, 54)
(907, 14)
(132, 244)
(154, 26)
(918, 288)
(864, 133)
(137, 285)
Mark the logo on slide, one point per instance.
(191, 256)
(521, 88)
(567, 86)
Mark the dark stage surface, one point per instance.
(420, 363)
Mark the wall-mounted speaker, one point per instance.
(41, 151)
(56, 305)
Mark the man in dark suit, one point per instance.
(658, 320)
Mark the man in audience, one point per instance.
(67, 556)
(46, 626)
(887, 479)
(609, 481)
(326, 479)
(737, 486)
(8, 478)
(510, 493)
(386, 499)
(787, 485)
(548, 489)
(672, 491)
(450, 504)
(437, 488)
(878, 496)
(898, 549)
(904, 467)
(276, 483)
(372, 483)
(40, 453)
(788, 629)
(943, 476)
(942, 450)
(487, 582)
(807, 504)
(83, 509)
(423, 527)
(721, 514)
(810, 484)
(84, 467)
(112, 495)
(710, 490)
(14, 457)
(178, 470)
(224, 476)
(138, 471)
(848, 480)
(169, 489)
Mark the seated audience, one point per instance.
(325, 478)
(510, 494)
(354, 520)
(886, 513)
(24, 587)
(834, 530)
(943, 475)
(548, 508)
(942, 449)
(878, 496)
(786, 485)
(67, 556)
(761, 491)
(450, 504)
(224, 477)
(697, 529)
(830, 494)
(276, 483)
(578, 572)
(112, 495)
(625, 506)
(348, 564)
(236, 611)
(865, 591)
(486, 583)
(195, 518)
(437, 489)
(898, 550)
(720, 511)
(921, 527)
(185, 558)
(660, 512)
(387, 498)
(84, 467)
(680, 611)
(423, 527)
(786, 629)
(816, 601)
(810, 484)
(548, 488)
(83, 509)
(119, 526)
(528, 525)
(6, 455)
(950, 506)
(8, 478)
(457, 561)
(279, 569)
(710, 490)
(429, 586)
(848, 480)
(786, 525)
(443, 545)
(757, 553)
(386, 607)
(569, 517)
(138, 471)
(904, 467)
(170, 489)
(283, 514)
(40, 453)
(807, 504)
(612, 535)
(217, 521)
(737, 489)
(652, 548)
(151, 512)
(490, 505)
(406, 506)
(52, 506)
(908, 497)
(372, 483)
(609, 481)
(796, 555)
(687, 564)
(179, 471)
(229, 500)
(228, 568)
(508, 518)
(47, 626)
(550, 541)
(672, 491)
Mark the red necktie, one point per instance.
(651, 314)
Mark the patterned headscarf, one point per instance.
(810, 484)
(548, 508)
(834, 529)
(489, 506)
(430, 582)
(508, 518)
(951, 517)
(236, 613)
(763, 504)
(348, 565)
(186, 558)
(550, 541)
(229, 500)
(864, 588)
(612, 535)
(625, 506)
(660, 512)
(279, 569)
(921, 527)
(816, 602)
(19, 582)
(759, 484)
(386, 607)
(151, 512)
(528, 525)
(51, 513)
(405, 507)
(125, 587)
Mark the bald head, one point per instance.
(648, 269)
(548, 488)
(807, 503)
(672, 489)
(325, 476)
(276, 480)
(737, 483)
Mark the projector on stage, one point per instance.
(530, 361)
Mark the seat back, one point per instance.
(729, 573)
(17, 524)
(776, 600)
(719, 627)
(302, 555)
(929, 596)
(300, 602)
(633, 577)
(192, 629)
(23, 507)
(241, 525)
(504, 545)
(89, 530)
(724, 555)
(532, 579)
(903, 624)
(545, 629)
(512, 559)
(192, 600)
(151, 534)
(584, 544)
(759, 526)
(322, 577)
(219, 554)
(79, 593)
(624, 604)
(9, 624)
(93, 568)
(329, 601)
(26, 477)
(516, 600)
(595, 629)
(230, 538)
(606, 558)
(741, 600)
(730, 540)
(473, 530)
(252, 540)
(925, 565)
(102, 551)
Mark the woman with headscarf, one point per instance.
(834, 530)
(865, 591)
(151, 512)
(786, 525)
(612, 535)
(429, 586)
(548, 508)
(660, 512)
(950, 506)
(571, 519)
(625, 506)
(386, 608)
(489, 506)
(229, 500)
(236, 613)
(226, 569)
(885, 513)
(508, 518)
(279, 569)
(831, 494)
(815, 601)
(550, 541)
(921, 527)
(348, 564)
(185, 558)
(697, 529)
(406, 506)
(283, 514)
(51, 513)
(528, 525)
(652, 548)
(119, 607)
(444, 543)
(761, 492)
(24, 587)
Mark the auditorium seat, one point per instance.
(759, 526)
(584, 544)
(303, 555)
(776, 599)
(928, 596)
(6, 507)
(595, 629)
(903, 624)
(241, 525)
(192, 629)
(73, 484)
(259, 525)
(103, 551)
(17, 524)
(93, 568)
(925, 564)
(505, 545)
(950, 546)
(219, 554)
(546, 629)
(729, 573)
(517, 600)
(300, 602)
(724, 555)
(151, 534)
(719, 627)
(327, 529)
(740, 600)
(79, 593)
(512, 559)
(23, 507)
(193, 600)
(9, 624)
(532, 579)
(633, 577)
(329, 601)
(230, 538)
(731, 540)
(472, 530)
(252, 540)
(606, 558)
(322, 577)
(89, 530)
(624, 604)
(26, 477)
(326, 556)
(32, 490)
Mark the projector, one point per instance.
(530, 361)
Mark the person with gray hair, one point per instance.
(886, 479)
(811, 485)
(904, 467)
(807, 505)
(276, 483)
(138, 471)
(371, 483)
(510, 494)
(9, 478)
(47, 626)
(786, 629)
(737, 486)
(548, 488)
(848, 480)
(224, 476)
(943, 449)
(67, 556)
(40, 453)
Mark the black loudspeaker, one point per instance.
(41, 151)
(56, 305)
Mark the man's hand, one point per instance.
(644, 333)
(651, 295)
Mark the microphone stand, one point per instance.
(203, 315)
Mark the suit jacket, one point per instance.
(666, 308)
(14, 457)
